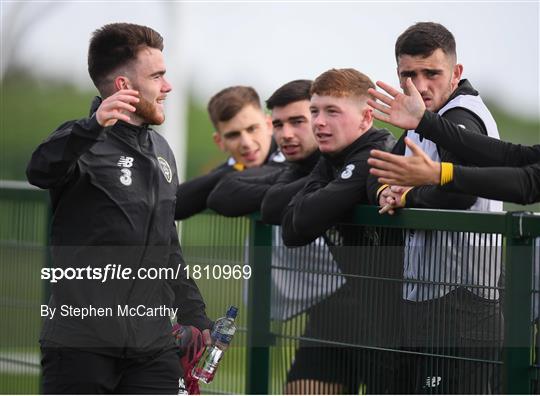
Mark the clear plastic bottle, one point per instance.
(222, 334)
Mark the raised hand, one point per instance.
(116, 106)
(416, 170)
(404, 110)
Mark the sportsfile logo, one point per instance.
(125, 163)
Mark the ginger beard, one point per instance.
(151, 113)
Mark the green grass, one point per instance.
(19, 384)
(29, 112)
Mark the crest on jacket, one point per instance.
(165, 168)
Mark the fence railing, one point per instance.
(280, 315)
(514, 367)
(24, 211)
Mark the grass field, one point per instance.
(22, 384)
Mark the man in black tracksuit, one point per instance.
(243, 131)
(450, 309)
(113, 181)
(362, 312)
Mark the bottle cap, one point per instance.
(232, 312)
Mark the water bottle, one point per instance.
(222, 334)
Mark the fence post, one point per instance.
(47, 262)
(517, 308)
(258, 336)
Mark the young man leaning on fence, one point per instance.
(362, 313)
(243, 131)
(450, 297)
(301, 277)
(517, 165)
(113, 181)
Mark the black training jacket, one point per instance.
(285, 187)
(437, 196)
(241, 193)
(324, 207)
(113, 194)
(335, 186)
(509, 172)
(192, 195)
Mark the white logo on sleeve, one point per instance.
(165, 168)
(433, 382)
(347, 173)
(125, 163)
(126, 177)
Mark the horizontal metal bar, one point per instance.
(22, 190)
(382, 349)
(433, 219)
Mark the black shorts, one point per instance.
(72, 371)
(451, 345)
(345, 318)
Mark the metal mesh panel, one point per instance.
(452, 314)
(343, 291)
(23, 252)
(367, 309)
(535, 308)
(218, 244)
(401, 315)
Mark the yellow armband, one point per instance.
(447, 172)
(379, 191)
(403, 199)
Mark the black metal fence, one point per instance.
(23, 239)
(412, 303)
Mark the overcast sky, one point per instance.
(265, 44)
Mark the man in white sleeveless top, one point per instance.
(451, 309)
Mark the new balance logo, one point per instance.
(433, 382)
(125, 162)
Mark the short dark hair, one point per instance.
(228, 102)
(341, 83)
(423, 38)
(293, 91)
(115, 45)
